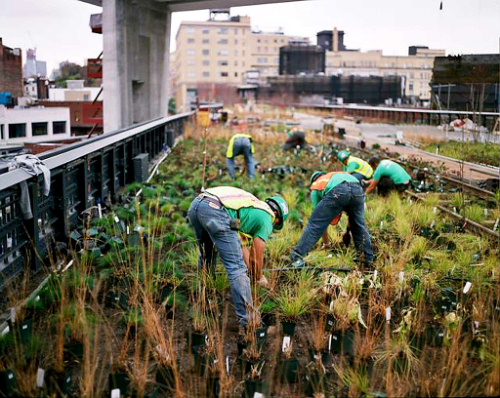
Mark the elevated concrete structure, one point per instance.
(136, 46)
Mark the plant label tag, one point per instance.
(375, 274)
(5, 331)
(25, 327)
(467, 287)
(39, 377)
(128, 230)
(115, 393)
(434, 210)
(388, 314)
(258, 395)
(13, 314)
(37, 299)
(330, 343)
(262, 334)
(485, 212)
(99, 210)
(287, 341)
(496, 224)
(476, 325)
(401, 277)
(441, 334)
(117, 220)
(454, 210)
(227, 364)
(10, 375)
(433, 223)
(381, 224)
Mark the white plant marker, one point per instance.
(485, 212)
(388, 314)
(375, 274)
(454, 209)
(433, 223)
(115, 393)
(496, 224)
(381, 224)
(117, 220)
(40, 374)
(258, 395)
(434, 210)
(287, 342)
(5, 331)
(99, 210)
(128, 230)
(227, 364)
(467, 287)
(13, 314)
(401, 276)
(329, 342)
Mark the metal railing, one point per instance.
(81, 175)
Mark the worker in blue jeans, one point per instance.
(343, 193)
(240, 144)
(219, 216)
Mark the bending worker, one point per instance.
(296, 138)
(240, 144)
(341, 192)
(388, 176)
(217, 216)
(355, 166)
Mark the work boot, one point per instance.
(298, 263)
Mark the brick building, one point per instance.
(11, 70)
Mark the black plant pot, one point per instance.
(21, 331)
(196, 340)
(165, 291)
(316, 383)
(201, 360)
(435, 335)
(400, 364)
(343, 342)
(58, 383)
(323, 355)
(288, 328)
(248, 364)
(252, 386)
(213, 387)
(74, 350)
(330, 323)
(268, 318)
(8, 383)
(290, 370)
(165, 378)
(365, 367)
(261, 336)
(119, 380)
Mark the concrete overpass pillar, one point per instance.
(136, 45)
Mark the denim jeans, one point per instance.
(241, 146)
(211, 225)
(348, 197)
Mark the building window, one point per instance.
(223, 52)
(206, 41)
(236, 52)
(235, 63)
(191, 51)
(258, 40)
(222, 41)
(258, 49)
(190, 40)
(205, 31)
(191, 29)
(206, 62)
(222, 63)
(235, 74)
(223, 74)
(191, 62)
(411, 86)
(275, 40)
(206, 74)
(191, 75)
(206, 52)
(235, 41)
(262, 60)
(17, 130)
(266, 49)
(1, 131)
(235, 31)
(223, 31)
(38, 129)
(59, 127)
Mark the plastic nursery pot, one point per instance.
(261, 336)
(165, 378)
(288, 328)
(115, 299)
(290, 370)
(196, 339)
(213, 387)
(343, 342)
(268, 318)
(435, 335)
(365, 367)
(253, 386)
(330, 322)
(22, 331)
(73, 350)
(58, 383)
(249, 364)
(119, 380)
(8, 383)
(201, 360)
(316, 383)
(323, 355)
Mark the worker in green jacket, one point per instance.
(355, 166)
(241, 144)
(333, 194)
(222, 217)
(388, 176)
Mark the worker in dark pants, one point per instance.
(296, 138)
(388, 176)
(355, 166)
(218, 216)
(240, 144)
(341, 193)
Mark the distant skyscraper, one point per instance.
(32, 67)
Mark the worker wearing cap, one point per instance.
(241, 144)
(332, 194)
(295, 138)
(388, 176)
(218, 216)
(355, 166)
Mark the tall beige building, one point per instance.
(219, 54)
(416, 69)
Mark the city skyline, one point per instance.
(461, 27)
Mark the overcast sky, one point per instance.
(60, 28)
